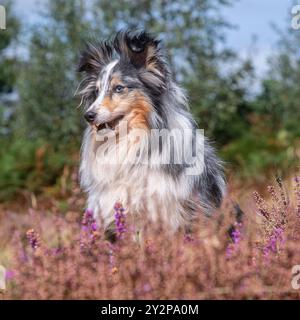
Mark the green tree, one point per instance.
(279, 100)
(280, 96)
(48, 80)
(46, 128)
(272, 141)
(7, 62)
(8, 66)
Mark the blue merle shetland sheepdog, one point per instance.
(130, 98)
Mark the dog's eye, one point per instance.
(119, 89)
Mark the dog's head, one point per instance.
(125, 79)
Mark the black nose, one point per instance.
(90, 116)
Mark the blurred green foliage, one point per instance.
(271, 142)
(47, 81)
(42, 130)
(29, 165)
(8, 64)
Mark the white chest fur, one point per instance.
(144, 190)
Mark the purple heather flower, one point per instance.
(33, 239)
(88, 218)
(9, 274)
(236, 239)
(275, 239)
(120, 218)
(94, 226)
(236, 234)
(188, 238)
(147, 287)
(88, 223)
(297, 191)
(89, 228)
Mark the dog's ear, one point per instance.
(142, 50)
(94, 57)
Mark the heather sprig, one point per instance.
(282, 192)
(120, 220)
(261, 205)
(89, 229)
(236, 236)
(275, 241)
(278, 214)
(88, 222)
(276, 219)
(33, 238)
(188, 238)
(283, 201)
(297, 192)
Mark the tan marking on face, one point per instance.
(139, 112)
(115, 101)
(132, 103)
(137, 118)
(115, 80)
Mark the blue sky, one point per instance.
(252, 18)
